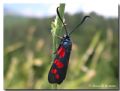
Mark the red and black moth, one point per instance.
(59, 67)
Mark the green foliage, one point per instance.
(93, 62)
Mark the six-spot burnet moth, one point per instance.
(59, 67)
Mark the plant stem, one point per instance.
(56, 30)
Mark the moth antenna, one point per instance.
(79, 24)
(62, 21)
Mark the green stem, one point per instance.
(56, 30)
(55, 86)
(90, 50)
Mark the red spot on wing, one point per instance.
(61, 52)
(57, 76)
(58, 63)
(54, 71)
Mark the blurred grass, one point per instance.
(93, 61)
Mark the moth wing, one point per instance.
(59, 67)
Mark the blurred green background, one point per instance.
(28, 45)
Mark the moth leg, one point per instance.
(57, 49)
(55, 52)
(58, 36)
(59, 45)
